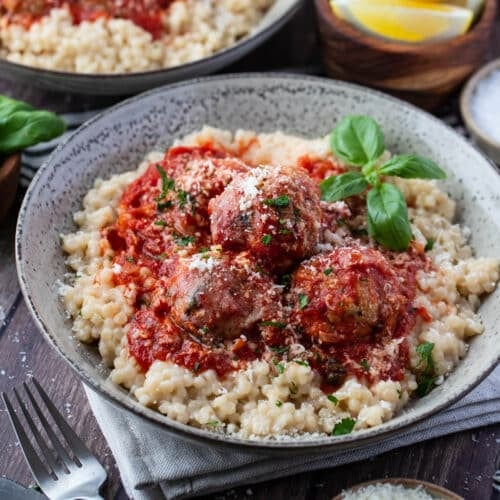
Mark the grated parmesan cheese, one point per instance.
(387, 491)
(202, 264)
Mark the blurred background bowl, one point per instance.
(424, 74)
(488, 144)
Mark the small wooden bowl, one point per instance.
(424, 74)
(9, 178)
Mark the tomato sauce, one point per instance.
(159, 223)
(148, 14)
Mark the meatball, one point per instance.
(221, 295)
(274, 212)
(350, 294)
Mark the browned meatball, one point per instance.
(349, 294)
(274, 212)
(221, 295)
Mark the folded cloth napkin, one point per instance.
(155, 465)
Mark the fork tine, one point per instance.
(75, 443)
(61, 453)
(36, 466)
(46, 452)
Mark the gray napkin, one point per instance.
(155, 465)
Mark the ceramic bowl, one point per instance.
(489, 145)
(133, 83)
(117, 141)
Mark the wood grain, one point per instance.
(424, 74)
(462, 462)
(9, 178)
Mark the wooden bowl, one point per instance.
(436, 491)
(9, 178)
(424, 74)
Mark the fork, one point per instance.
(61, 475)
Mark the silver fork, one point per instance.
(61, 474)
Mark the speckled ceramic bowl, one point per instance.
(132, 83)
(117, 140)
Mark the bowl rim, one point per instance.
(289, 11)
(466, 97)
(377, 42)
(356, 439)
(431, 488)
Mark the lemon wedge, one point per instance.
(405, 20)
(474, 5)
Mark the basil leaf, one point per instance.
(412, 167)
(338, 187)
(388, 217)
(22, 126)
(357, 140)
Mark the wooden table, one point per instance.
(462, 462)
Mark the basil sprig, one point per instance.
(359, 141)
(22, 126)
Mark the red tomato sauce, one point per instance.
(147, 14)
(159, 223)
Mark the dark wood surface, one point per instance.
(462, 462)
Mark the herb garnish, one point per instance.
(280, 367)
(303, 300)
(293, 388)
(184, 241)
(279, 403)
(275, 324)
(301, 362)
(130, 259)
(345, 426)
(160, 223)
(428, 378)
(359, 141)
(328, 271)
(286, 279)
(163, 205)
(333, 399)
(166, 183)
(279, 202)
(213, 423)
(266, 239)
(279, 349)
(430, 244)
(364, 364)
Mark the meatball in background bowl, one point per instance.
(118, 140)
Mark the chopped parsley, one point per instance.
(430, 244)
(345, 426)
(166, 183)
(130, 259)
(279, 349)
(204, 329)
(303, 300)
(427, 379)
(400, 394)
(160, 223)
(333, 399)
(293, 388)
(280, 367)
(275, 324)
(183, 197)
(266, 239)
(279, 403)
(161, 256)
(301, 362)
(184, 241)
(328, 271)
(196, 367)
(163, 205)
(280, 202)
(284, 230)
(204, 250)
(213, 423)
(364, 364)
(286, 279)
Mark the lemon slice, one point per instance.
(474, 5)
(405, 20)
